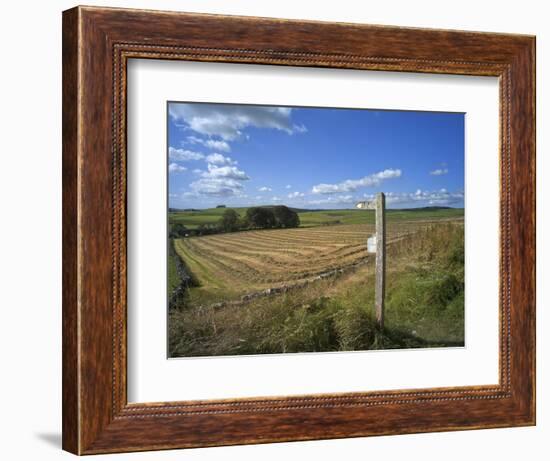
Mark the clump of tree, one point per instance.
(273, 217)
(230, 221)
(206, 229)
(260, 218)
(285, 217)
(178, 230)
(256, 218)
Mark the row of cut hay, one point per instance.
(213, 266)
(250, 270)
(252, 262)
(255, 260)
(276, 261)
(277, 252)
(259, 270)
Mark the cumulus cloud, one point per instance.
(219, 159)
(419, 198)
(218, 187)
(295, 194)
(265, 189)
(224, 172)
(218, 145)
(276, 199)
(441, 197)
(183, 155)
(334, 200)
(351, 185)
(227, 121)
(175, 168)
(288, 186)
(213, 144)
(220, 181)
(439, 172)
(189, 195)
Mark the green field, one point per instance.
(193, 219)
(327, 278)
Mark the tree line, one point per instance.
(276, 217)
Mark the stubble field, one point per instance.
(312, 289)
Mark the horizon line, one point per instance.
(312, 209)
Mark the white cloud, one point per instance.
(183, 155)
(227, 120)
(225, 172)
(219, 159)
(419, 198)
(189, 195)
(197, 171)
(224, 181)
(334, 200)
(218, 145)
(194, 140)
(175, 168)
(440, 197)
(219, 187)
(276, 199)
(351, 185)
(288, 186)
(439, 172)
(213, 144)
(295, 194)
(265, 189)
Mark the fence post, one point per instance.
(380, 287)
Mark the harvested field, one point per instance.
(225, 312)
(230, 266)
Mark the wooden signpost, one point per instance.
(377, 244)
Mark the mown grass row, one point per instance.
(252, 261)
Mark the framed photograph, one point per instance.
(284, 230)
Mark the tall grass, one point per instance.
(424, 307)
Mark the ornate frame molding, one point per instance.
(97, 44)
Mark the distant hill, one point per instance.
(192, 218)
(427, 208)
(181, 210)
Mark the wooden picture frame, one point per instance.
(97, 43)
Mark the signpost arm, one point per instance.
(380, 287)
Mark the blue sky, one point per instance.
(243, 155)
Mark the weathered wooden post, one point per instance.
(380, 289)
(377, 244)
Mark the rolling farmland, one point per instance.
(310, 218)
(311, 288)
(231, 265)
